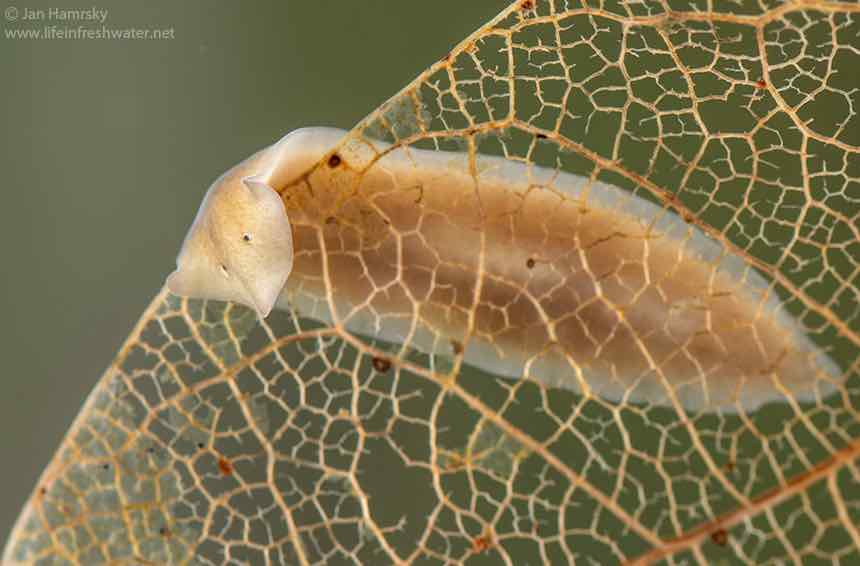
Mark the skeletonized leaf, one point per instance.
(214, 438)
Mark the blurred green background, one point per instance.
(109, 145)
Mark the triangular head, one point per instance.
(240, 246)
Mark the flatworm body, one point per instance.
(526, 272)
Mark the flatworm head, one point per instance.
(240, 245)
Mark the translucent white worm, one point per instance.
(529, 272)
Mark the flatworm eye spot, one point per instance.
(334, 160)
(246, 236)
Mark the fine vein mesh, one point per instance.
(214, 438)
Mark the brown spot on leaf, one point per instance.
(761, 83)
(164, 531)
(334, 160)
(541, 136)
(482, 543)
(225, 467)
(527, 5)
(457, 347)
(530, 263)
(720, 537)
(381, 364)
(454, 462)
